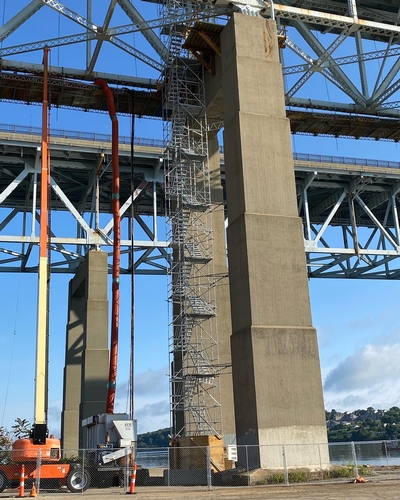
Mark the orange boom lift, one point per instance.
(39, 448)
(40, 454)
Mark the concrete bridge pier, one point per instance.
(276, 371)
(86, 353)
(224, 327)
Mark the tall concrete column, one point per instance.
(86, 355)
(224, 327)
(275, 360)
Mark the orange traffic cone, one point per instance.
(33, 492)
(22, 483)
(133, 481)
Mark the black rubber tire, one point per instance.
(78, 480)
(3, 481)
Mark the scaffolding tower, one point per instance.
(194, 382)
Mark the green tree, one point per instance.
(156, 439)
(5, 445)
(21, 428)
(5, 439)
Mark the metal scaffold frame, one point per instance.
(195, 406)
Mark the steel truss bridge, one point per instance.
(349, 46)
(349, 206)
(341, 62)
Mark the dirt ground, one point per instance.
(376, 490)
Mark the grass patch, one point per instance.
(299, 476)
(344, 471)
(305, 476)
(276, 479)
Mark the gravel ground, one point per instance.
(375, 490)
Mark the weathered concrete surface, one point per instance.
(220, 270)
(342, 491)
(275, 361)
(86, 356)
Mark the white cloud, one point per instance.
(371, 366)
(369, 377)
(153, 416)
(152, 382)
(152, 410)
(151, 400)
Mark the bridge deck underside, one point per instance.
(65, 93)
(373, 184)
(349, 207)
(28, 89)
(74, 164)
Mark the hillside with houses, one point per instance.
(358, 425)
(363, 425)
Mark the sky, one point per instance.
(356, 320)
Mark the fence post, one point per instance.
(127, 467)
(247, 459)
(285, 467)
(209, 480)
(353, 452)
(385, 451)
(320, 462)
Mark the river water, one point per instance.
(366, 453)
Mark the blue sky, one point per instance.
(357, 321)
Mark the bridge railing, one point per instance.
(84, 136)
(159, 143)
(345, 160)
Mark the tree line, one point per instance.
(364, 425)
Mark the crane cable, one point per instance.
(132, 267)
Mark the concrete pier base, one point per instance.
(276, 371)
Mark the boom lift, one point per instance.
(39, 446)
(112, 437)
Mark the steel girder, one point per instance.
(368, 88)
(16, 21)
(80, 204)
(361, 32)
(99, 33)
(315, 32)
(349, 206)
(350, 219)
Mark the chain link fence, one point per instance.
(201, 466)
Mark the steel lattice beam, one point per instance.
(324, 186)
